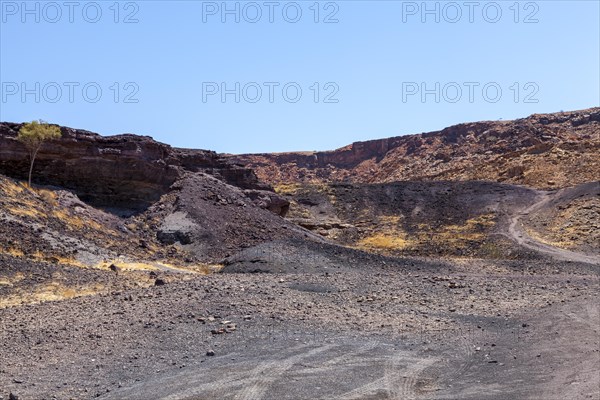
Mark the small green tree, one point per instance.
(33, 134)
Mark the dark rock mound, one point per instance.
(212, 219)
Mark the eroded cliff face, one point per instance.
(543, 150)
(126, 172)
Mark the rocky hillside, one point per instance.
(126, 172)
(541, 151)
(54, 246)
(124, 211)
(412, 218)
(570, 219)
(449, 218)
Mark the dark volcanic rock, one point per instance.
(212, 219)
(269, 200)
(124, 171)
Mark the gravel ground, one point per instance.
(365, 327)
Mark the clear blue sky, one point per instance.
(376, 56)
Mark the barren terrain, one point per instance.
(178, 274)
(385, 328)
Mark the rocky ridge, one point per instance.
(126, 172)
(540, 151)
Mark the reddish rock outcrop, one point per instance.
(561, 148)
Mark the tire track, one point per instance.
(447, 369)
(408, 380)
(229, 381)
(590, 319)
(396, 383)
(242, 377)
(343, 359)
(467, 348)
(266, 374)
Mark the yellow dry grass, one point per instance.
(385, 242)
(298, 211)
(127, 265)
(11, 188)
(571, 226)
(388, 235)
(53, 291)
(390, 219)
(22, 202)
(24, 210)
(69, 220)
(39, 256)
(472, 230)
(75, 223)
(287, 188)
(13, 251)
(560, 242)
(11, 280)
(157, 266)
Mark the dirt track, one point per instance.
(518, 234)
